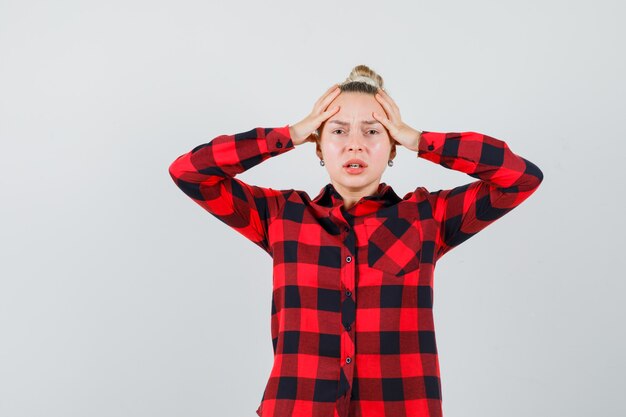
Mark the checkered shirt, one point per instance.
(352, 324)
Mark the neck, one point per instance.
(351, 196)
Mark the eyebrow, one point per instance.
(342, 123)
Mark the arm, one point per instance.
(207, 175)
(207, 172)
(505, 180)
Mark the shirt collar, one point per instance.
(383, 197)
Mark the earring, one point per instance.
(390, 162)
(322, 162)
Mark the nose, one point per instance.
(355, 142)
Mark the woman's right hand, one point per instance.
(304, 130)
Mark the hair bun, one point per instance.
(364, 74)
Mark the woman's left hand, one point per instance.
(402, 133)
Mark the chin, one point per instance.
(356, 182)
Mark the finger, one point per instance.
(322, 117)
(383, 94)
(386, 107)
(326, 94)
(329, 98)
(388, 98)
(328, 113)
(389, 126)
(382, 119)
(392, 110)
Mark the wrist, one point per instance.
(295, 137)
(420, 142)
(292, 134)
(417, 141)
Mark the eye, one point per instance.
(373, 130)
(337, 130)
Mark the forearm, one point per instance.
(480, 156)
(207, 175)
(505, 180)
(228, 155)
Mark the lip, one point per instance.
(355, 161)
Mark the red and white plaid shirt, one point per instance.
(352, 321)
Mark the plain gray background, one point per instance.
(119, 296)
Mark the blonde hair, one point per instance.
(362, 79)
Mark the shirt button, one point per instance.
(348, 359)
(348, 293)
(279, 145)
(348, 327)
(348, 258)
(431, 147)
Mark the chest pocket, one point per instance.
(393, 244)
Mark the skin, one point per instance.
(374, 143)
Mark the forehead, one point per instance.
(355, 108)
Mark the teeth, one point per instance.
(354, 165)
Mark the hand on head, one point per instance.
(304, 130)
(402, 133)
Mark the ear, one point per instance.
(318, 149)
(392, 154)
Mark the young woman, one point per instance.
(351, 319)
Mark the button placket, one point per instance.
(348, 307)
(348, 312)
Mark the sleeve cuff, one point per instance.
(278, 140)
(430, 142)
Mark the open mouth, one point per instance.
(355, 163)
